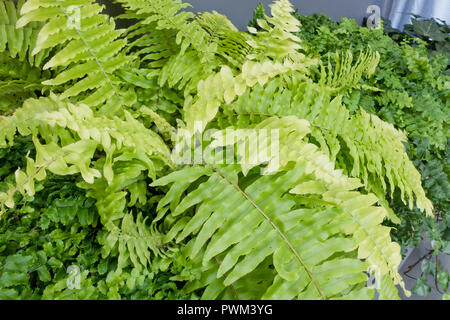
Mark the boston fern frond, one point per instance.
(182, 48)
(276, 38)
(168, 16)
(73, 134)
(361, 133)
(137, 243)
(345, 75)
(72, 125)
(150, 42)
(92, 49)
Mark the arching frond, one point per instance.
(276, 39)
(92, 49)
(314, 240)
(77, 134)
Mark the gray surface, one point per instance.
(241, 11)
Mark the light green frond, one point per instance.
(135, 241)
(224, 87)
(169, 16)
(153, 44)
(76, 128)
(70, 159)
(231, 44)
(79, 119)
(276, 40)
(23, 121)
(183, 72)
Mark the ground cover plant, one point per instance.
(413, 95)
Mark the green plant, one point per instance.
(433, 31)
(21, 74)
(108, 119)
(412, 95)
(58, 228)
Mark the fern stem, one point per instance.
(282, 235)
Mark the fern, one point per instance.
(276, 39)
(116, 138)
(363, 145)
(232, 45)
(20, 73)
(136, 243)
(166, 14)
(186, 70)
(306, 244)
(224, 87)
(131, 153)
(92, 49)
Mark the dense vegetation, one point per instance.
(94, 203)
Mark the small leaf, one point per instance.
(252, 30)
(421, 287)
